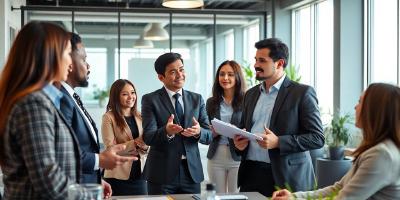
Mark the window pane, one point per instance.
(303, 47)
(384, 41)
(99, 33)
(324, 56)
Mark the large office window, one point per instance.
(312, 50)
(383, 37)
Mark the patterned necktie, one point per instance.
(178, 109)
(80, 104)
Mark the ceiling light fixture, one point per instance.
(183, 3)
(156, 32)
(141, 43)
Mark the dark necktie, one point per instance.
(178, 109)
(80, 104)
(180, 115)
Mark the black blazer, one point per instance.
(296, 121)
(87, 143)
(235, 120)
(164, 158)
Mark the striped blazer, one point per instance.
(42, 153)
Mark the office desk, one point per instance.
(250, 195)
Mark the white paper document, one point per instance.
(229, 130)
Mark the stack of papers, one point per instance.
(229, 130)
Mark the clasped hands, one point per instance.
(173, 129)
(270, 140)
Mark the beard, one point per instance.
(83, 82)
(263, 78)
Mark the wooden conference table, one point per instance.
(250, 195)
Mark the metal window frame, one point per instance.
(263, 16)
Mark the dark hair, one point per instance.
(162, 61)
(34, 60)
(75, 40)
(218, 91)
(278, 49)
(379, 116)
(114, 103)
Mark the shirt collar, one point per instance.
(53, 93)
(171, 93)
(276, 86)
(67, 87)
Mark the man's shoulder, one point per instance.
(152, 94)
(299, 87)
(194, 94)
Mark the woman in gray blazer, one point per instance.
(375, 173)
(39, 154)
(226, 105)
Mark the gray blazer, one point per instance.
(164, 158)
(235, 120)
(375, 175)
(296, 121)
(42, 153)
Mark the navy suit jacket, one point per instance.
(296, 121)
(164, 158)
(87, 143)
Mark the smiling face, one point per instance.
(265, 66)
(226, 77)
(174, 76)
(127, 97)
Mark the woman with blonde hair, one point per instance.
(39, 154)
(375, 173)
(122, 124)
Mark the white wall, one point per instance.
(8, 19)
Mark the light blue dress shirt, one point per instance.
(262, 117)
(54, 94)
(226, 112)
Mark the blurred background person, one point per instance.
(226, 105)
(122, 124)
(378, 116)
(39, 153)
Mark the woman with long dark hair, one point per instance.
(122, 124)
(225, 104)
(375, 173)
(39, 154)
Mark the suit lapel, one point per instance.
(166, 101)
(69, 98)
(280, 99)
(188, 103)
(76, 146)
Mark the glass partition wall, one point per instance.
(120, 44)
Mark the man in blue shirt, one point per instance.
(286, 115)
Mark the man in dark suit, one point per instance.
(286, 115)
(174, 121)
(82, 123)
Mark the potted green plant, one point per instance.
(292, 72)
(248, 73)
(101, 95)
(338, 135)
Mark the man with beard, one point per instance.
(82, 123)
(286, 115)
(174, 121)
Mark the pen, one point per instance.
(169, 197)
